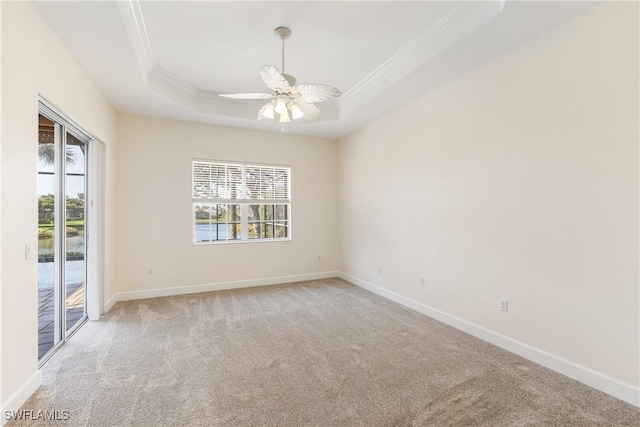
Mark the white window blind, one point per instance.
(217, 181)
(267, 183)
(221, 181)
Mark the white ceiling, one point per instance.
(170, 59)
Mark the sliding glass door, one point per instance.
(62, 221)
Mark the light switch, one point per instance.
(28, 253)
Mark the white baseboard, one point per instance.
(110, 303)
(14, 402)
(209, 287)
(594, 379)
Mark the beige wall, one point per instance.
(154, 205)
(34, 61)
(517, 181)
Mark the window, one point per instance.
(240, 202)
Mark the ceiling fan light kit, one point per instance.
(288, 100)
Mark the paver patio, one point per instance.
(75, 311)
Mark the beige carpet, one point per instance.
(319, 353)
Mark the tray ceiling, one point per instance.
(171, 59)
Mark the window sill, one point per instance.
(235, 242)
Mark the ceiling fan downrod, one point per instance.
(284, 33)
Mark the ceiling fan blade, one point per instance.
(247, 95)
(274, 79)
(310, 111)
(317, 92)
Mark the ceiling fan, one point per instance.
(288, 100)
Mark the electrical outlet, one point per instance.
(379, 270)
(422, 281)
(319, 258)
(150, 271)
(504, 305)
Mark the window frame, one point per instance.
(243, 202)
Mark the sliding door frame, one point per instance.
(94, 244)
(93, 286)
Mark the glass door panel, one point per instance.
(48, 289)
(75, 226)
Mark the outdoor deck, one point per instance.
(75, 311)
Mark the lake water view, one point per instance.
(74, 270)
(207, 232)
(74, 243)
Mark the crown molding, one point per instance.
(456, 24)
(131, 14)
(449, 29)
